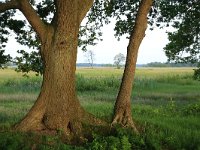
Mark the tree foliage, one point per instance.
(184, 17)
(19, 28)
(184, 44)
(29, 62)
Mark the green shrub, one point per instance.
(13, 141)
(192, 109)
(126, 145)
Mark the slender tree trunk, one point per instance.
(57, 107)
(122, 110)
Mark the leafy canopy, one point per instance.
(184, 45)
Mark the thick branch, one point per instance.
(13, 4)
(84, 6)
(33, 18)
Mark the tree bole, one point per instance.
(122, 109)
(57, 107)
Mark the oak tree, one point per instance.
(57, 107)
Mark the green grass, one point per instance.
(165, 107)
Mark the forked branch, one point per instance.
(84, 6)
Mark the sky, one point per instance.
(151, 49)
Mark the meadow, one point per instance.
(165, 107)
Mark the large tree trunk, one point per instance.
(57, 107)
(122, 110)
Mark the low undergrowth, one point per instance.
(169, 127)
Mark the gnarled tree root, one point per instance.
(71, 132)
(125, 120)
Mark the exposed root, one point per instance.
(70, 130)
(33, 119)
(70, 133)
(125, 121)
(31, 122)
(24, 127)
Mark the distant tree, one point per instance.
(168, 64)
(157, 64)
(118, 60)
(107, 65)
(90, 56)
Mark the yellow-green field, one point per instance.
(140, 72)
(166, 108)
(104, 72)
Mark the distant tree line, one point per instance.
(151, 64)
(160, 64)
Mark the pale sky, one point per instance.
(151, 49)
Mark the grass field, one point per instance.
(165, 106)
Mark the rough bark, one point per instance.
(57, 107)
(122, 110)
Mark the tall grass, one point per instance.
(21, 85)
(165, 107)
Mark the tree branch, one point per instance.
(33, 18)
(13, 4)
(84, 6)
